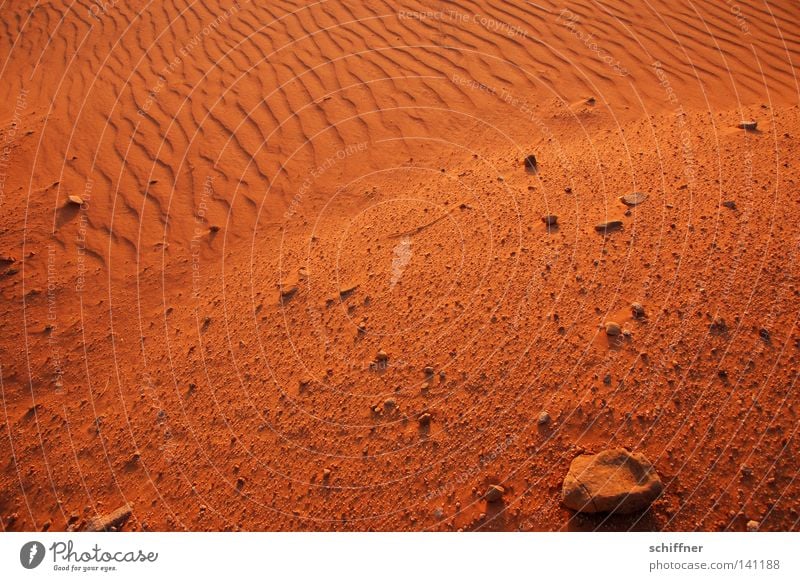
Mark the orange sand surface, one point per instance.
(267, 194)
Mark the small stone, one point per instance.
(77, 200)
(213, 228)
(544, 419)
(610, 226)
(428, 371)
(326, 474)
(424, 419)
(764, 334)
(494, 493)
(382, 356)
(550, 219)
(613, 329)
(638, 310)
(531, 164)
(633, 199)
(730, 204)
(748, 125)
(346, 291)
(389, 404)
(718, 325)
(752, 526)
(287, 291)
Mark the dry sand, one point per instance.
(267, 194)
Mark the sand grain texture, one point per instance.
(214, 214)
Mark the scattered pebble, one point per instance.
(77, 200)
(531, 164)
(544, 419)
(613, 329)
(730, 204)
(382, 356)
(610, 226)
(638, 310)
(550, 219)
(718, 325)
(752, 526)
(494, 493)
(424, 419)
(633, 199)
(748, 125)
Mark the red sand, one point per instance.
(147, 356)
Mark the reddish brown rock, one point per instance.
(612, 481)
(111, 521)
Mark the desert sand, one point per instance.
(282, 266)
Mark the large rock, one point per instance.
(611, 481)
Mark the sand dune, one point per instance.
(269, 194)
